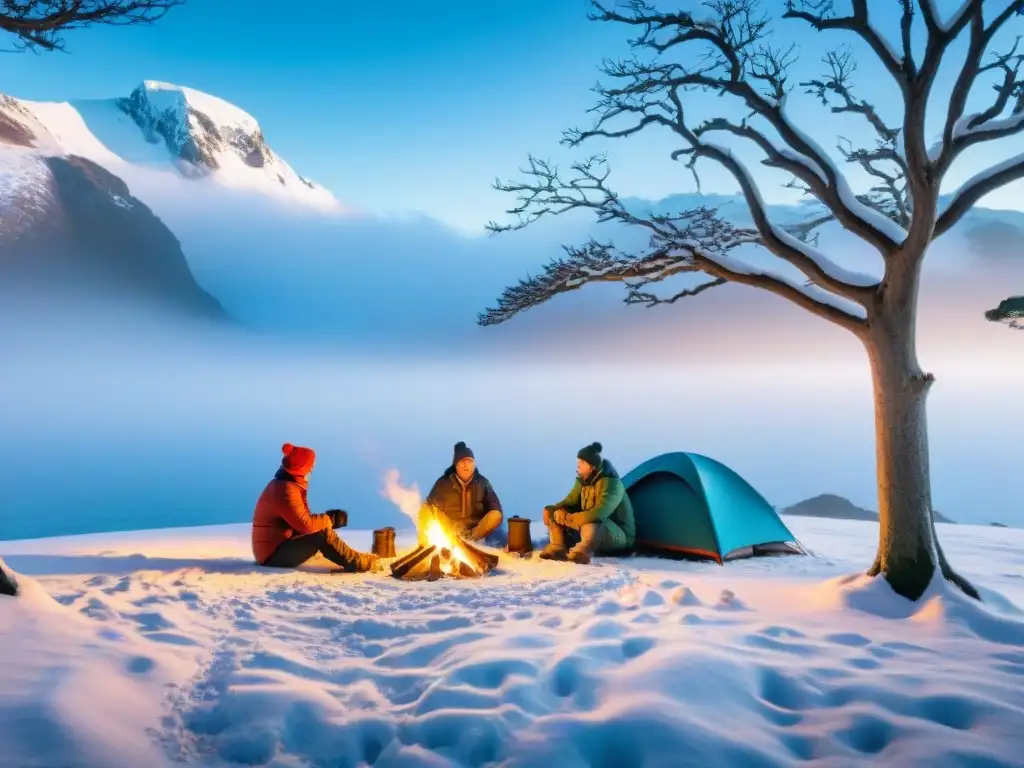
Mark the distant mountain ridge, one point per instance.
(832, 507)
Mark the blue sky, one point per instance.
(405, 106)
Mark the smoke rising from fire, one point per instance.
(407, 499)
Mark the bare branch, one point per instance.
(594, 262)
(40, 23)
(637, 296)
(963, 131)
(601, 262)
(548, 194)
(897, 215)
(693, 241)
(820, 14)
(890, 195)
(806, 231)
(736, 58)
(883, 161)
(910, 194)
(837, 82)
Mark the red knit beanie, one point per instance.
(297, 460)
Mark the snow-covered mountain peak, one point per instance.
(207, 136)
(165, 97)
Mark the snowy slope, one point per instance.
(164, 648)
(182, 132)
(25, 178)
(71, 230)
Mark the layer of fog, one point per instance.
(414, 286)
(126, 426)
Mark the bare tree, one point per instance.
(40, 24)
(1009, 311)
(726, 49)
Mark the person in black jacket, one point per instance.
(465, 497)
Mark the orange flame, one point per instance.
(435, 533)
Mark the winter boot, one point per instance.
(579, 555)
(591, 535)
(552, 552)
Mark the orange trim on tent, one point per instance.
(683, 550)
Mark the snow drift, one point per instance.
(165, 647)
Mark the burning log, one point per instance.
(431, 563)
(444, 554)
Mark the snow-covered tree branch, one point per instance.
(884, 160)
(724, 47)
(1009, 311)
(40, 23)
(725, 52)
(695, 241)
(1003, 117)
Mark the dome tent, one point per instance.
(690, 505)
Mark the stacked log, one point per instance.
(426, 563)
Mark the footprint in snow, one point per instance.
(728, 601)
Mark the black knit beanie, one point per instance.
(462, 451)
(591, 454)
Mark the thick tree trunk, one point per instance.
(908, 549)
(7, 585)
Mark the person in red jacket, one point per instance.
(285, 534)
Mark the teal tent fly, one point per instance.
(690, 505)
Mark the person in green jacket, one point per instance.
(596, 518)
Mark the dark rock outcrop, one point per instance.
(194, 138)
(832, 507)
(8, 586)
(197, 145)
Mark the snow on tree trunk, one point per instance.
(908, 548)
(7, 585)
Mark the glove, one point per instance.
(561, 517)
(339, 518)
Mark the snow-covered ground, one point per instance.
(147, 648)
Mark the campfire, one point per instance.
(442, 553)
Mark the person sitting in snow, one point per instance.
(285, 534)
(466, 498)
(595, 518)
